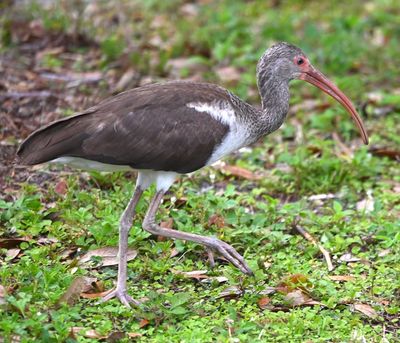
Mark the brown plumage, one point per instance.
(159, 110)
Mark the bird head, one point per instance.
(288, 62)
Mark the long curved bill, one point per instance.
(316, 78)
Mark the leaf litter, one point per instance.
(109, 256)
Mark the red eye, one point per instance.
(300, 61)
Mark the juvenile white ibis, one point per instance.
(166, 129)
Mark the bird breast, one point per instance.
(238, 134)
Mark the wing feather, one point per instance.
(147, 128)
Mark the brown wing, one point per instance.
(147, 128)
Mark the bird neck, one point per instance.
(274, 93)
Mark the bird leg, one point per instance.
(125, 224)
(211, 243)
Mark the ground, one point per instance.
(310, 186)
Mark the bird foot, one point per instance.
(227, 251)
(123, 297)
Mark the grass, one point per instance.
(356, 45)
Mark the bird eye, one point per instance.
(300, 61)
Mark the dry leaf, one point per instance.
(346, 258)
(366, 205)
(79, 285)
(384, 152)
(365, 309)
(342, 277)
(230, 292)
(174, 252)
(263, 302)
(109, 255)
(216, 220)
(46, 240)
(10, 243)
(219, 279)
(88, 333)
(67, 253)
(2, 295)
(134, 335)
(241, 172)
(95, 295)
(298, 298)
(61, 187)
(384, 252)
(168, 224)
(143, 323)
(195, 274)
(269, 290)
(12, 253)
(293, 282)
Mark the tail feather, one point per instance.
(57, 139)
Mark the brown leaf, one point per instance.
(143, 323)
(2, 295)
(67, 253)
(116, 336)
(241, 172)
(88, 333)
(195, 274)
(174, 252)
(61, 187)
(342, 277)
(12, 253)
(46, 240)
(299, 298)
(134, 335)
(216, 220)
(109, 255)
(269, 290)
(168, 224)
(10, 243)
(346, 258)
(230, 292)
(293, 282)
(263, 302)
(219, 279)
(386, 152)
(95, 295)
(365, 309)
(79, 285)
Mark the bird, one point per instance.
(164, 130)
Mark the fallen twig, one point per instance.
(311, 239)
(17, 95)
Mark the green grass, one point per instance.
(259, 216)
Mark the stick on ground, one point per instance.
(311, 239)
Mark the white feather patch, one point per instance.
(162, 179)
(238, 135)
(83, 163)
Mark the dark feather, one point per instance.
(146, 128)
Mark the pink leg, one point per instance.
(124, 228)
(211, 243)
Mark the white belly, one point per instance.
(82, 163)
